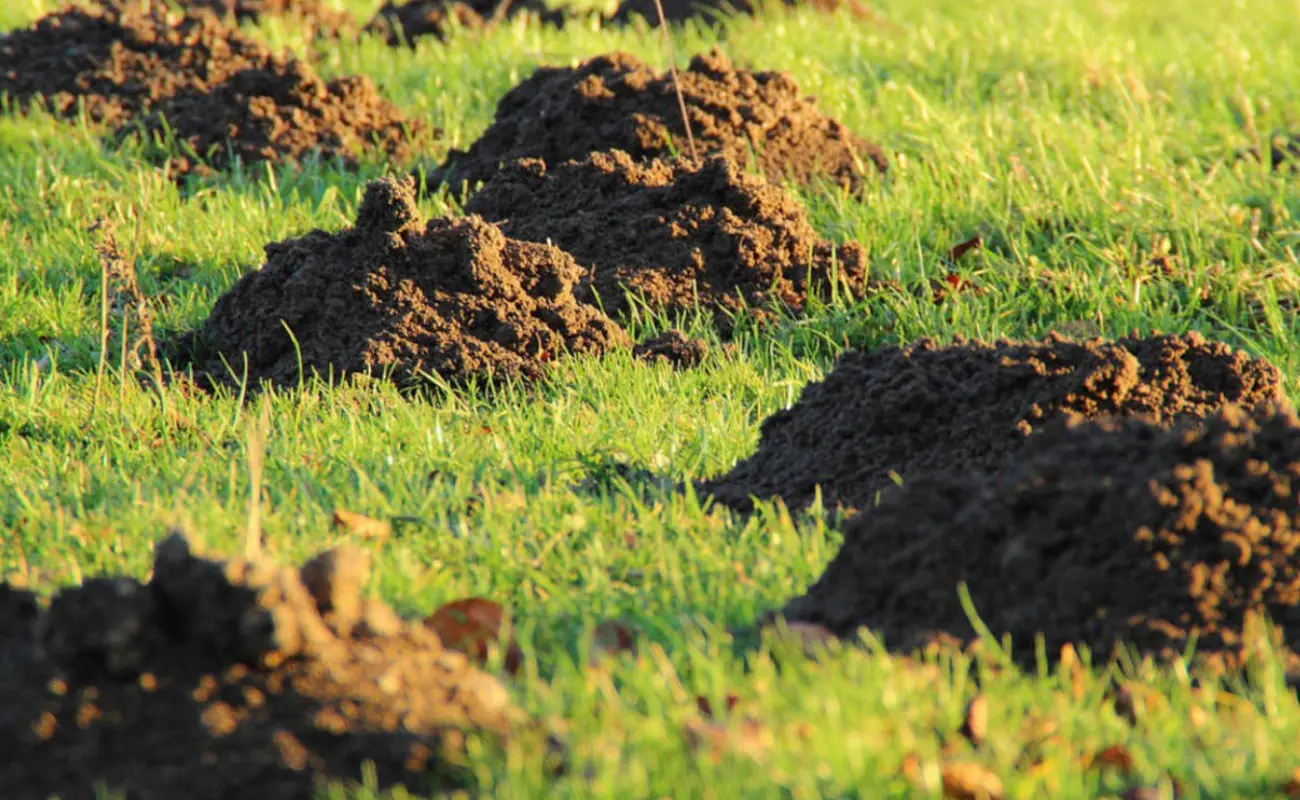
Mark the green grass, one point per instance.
(1079, 139)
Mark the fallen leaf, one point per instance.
(976, 725)
(612, 637)
(706, 708)
(1114, 757)
(959, 250)
(473, 626)
(969, 781)
(361, 525)
(1291, 788)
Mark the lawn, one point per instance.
(1084, 142)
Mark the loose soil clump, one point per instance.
(673, 348)
(677, 12)
(281, 111)
(965, 408)
(402, 297)
(403, 23)
(226, 678)
(680, 234)
(1099, 533)
(324, 21)
(616, 102)
(119, 62)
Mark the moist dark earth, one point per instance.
(680, 11)
(231, 678)
(969, 406)
(616, 102)
(222, 95)
(283, 112)
(118, 62)
(398, 296)
(674, 348)
(1100, 532)
(678, 234)
(408, 21)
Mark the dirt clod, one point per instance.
(678, 233)
(220, 678)
(406, 22)
(120, 61)
(674, 348)
(1099, 532)
(969, 406)
(451, 297)
(281, 111)
(616, 102)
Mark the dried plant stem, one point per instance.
(677, 87)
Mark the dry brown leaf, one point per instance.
(706, 708)
(473, 626)
(976, 726)
(361, 525)
(959, 250)
(1291, 788)
(970, 781)
(612, 637)
(1115, 757)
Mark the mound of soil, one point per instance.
(281, 111)
(969, 407)
(120, 61)
(405, 22)
(1101, 532)
(679, 11)
(682, 234)
(616, 102)
(673, 348)
(395, 295)
(324, 20)
(233, 678)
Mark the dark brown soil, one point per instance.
(405, 22)
(679, 11)
(681, 234)
(968, 407)
(233, 678)
(1100, 532)
(282, 112)
(323, 19)
(674, 348)
(616, 102)
(120, 62)
(397, 295)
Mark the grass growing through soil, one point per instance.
(1092, 147)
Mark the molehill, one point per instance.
(680, 234)
(1099, 533)
(970, 406)
(225, 678)
(455, 298)
(677, 12)
(406, 22)
(616, 102)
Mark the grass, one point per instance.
(1081, 140)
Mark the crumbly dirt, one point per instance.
(399, 296)
(673, 348)
(406, 22)
(120, 61)
(677, 12)
(1100, 532)
(616, 102)
(323, 19)
(281, 111)
(234, 678)
(681, 234)
(968, 407)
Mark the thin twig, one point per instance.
(672, 70)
